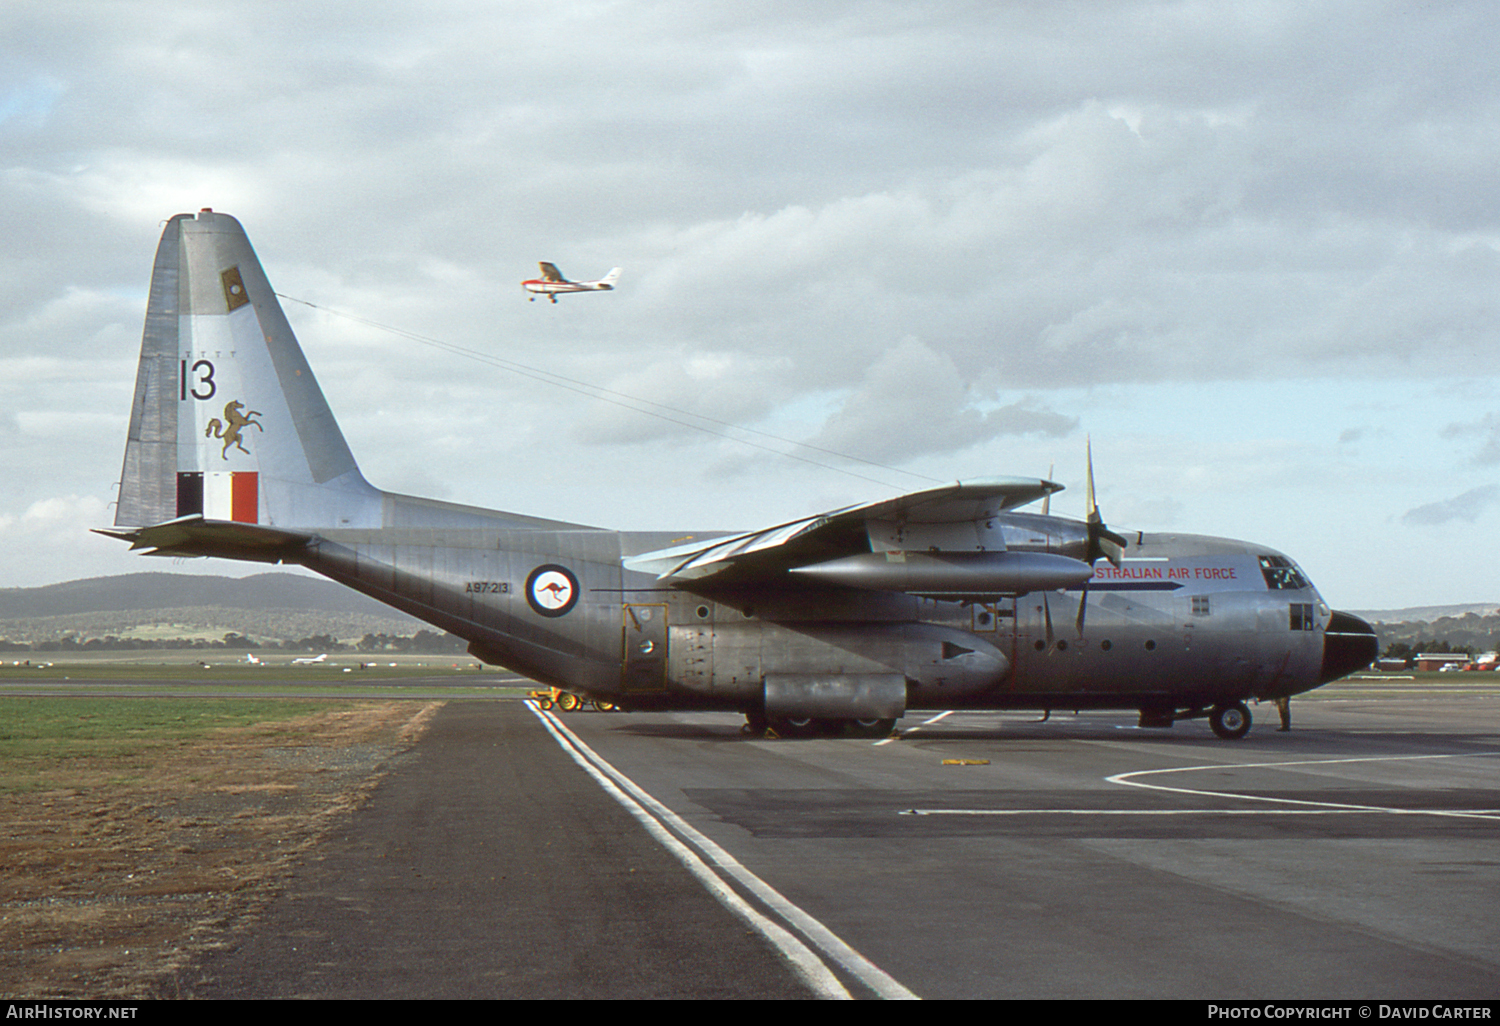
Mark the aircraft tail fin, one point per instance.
(610, 278)
(228, 423)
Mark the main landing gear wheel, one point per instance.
(808, 726)
(1231, 722)
(796, 726)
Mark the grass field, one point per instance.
(182, 673)
(67, 743)
(140, 831)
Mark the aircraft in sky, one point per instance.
(552, 283)
(844, 621)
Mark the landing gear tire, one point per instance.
(795, 726)
(872, 728)
(1231, 722)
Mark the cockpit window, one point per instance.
(1281, 574)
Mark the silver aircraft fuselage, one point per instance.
(1185, 622)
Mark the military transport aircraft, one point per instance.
(844, 621)
(552, 282)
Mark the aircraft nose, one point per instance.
(1349, 644)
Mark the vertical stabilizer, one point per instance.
(228, 421)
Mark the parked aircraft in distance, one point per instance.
(552, 283)
(308, 660)
(251, 659)
(843, 621)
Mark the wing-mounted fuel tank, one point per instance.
(963, 576)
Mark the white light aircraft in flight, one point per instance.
(552, 283)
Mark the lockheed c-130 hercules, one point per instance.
(946, 598)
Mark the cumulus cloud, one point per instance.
(935, 239)
(913, 402)
(1487, 431)
(1466, 508)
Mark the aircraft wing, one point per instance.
(761, 555)
(550, 271)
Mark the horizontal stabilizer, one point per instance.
(195, 536)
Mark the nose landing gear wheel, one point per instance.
(1231, 722)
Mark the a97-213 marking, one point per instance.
(487, 587)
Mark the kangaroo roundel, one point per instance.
(552, 590)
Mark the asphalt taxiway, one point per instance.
(513, 854)
(987, 855)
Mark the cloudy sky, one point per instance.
(1251, 249)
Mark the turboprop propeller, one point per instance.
(1102, 542)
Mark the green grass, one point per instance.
(66, 742)
(232, 673)
(185, 677)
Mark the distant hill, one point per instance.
(267, 607)
(1426, 614)
(173, 591)
(1473, 629)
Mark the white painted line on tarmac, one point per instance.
(1127, 780)
(1289, 806)
(663, 823)
(913, 730)
(1356, 811)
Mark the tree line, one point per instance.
(423, 642)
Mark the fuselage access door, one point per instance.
(644, 658)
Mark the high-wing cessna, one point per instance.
(552, 282)
(844, 621)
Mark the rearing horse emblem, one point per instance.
(236, 422)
